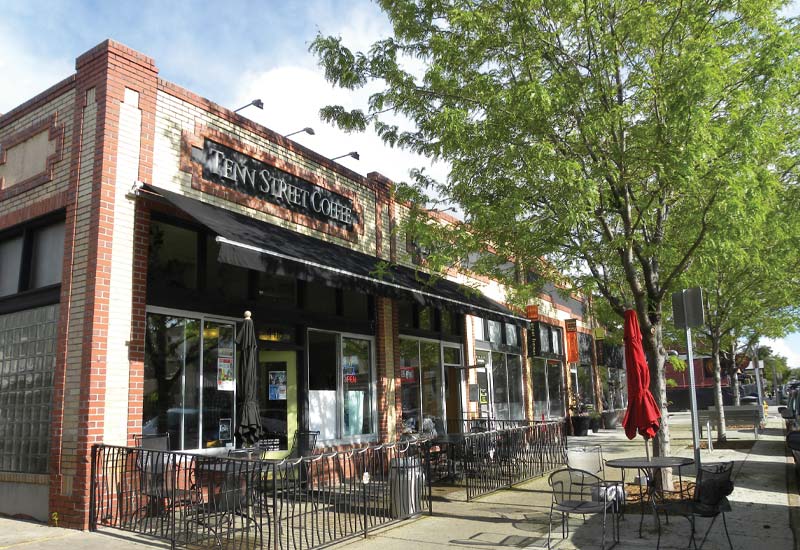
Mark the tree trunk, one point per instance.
(737, 400)
(652, 341)
(715, 338)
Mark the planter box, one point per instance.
(611, 419)
(580, 425)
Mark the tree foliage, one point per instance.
(606, 140)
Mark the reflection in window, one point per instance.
(10, 263)
(172, 256)
(480, 329)
(512, 332)
(276, 290)
(554, 389)
(426, 319)
(355, 305)
(224, 280)
(495, 332)
(507, 386)
(548, 398)
(47, 254)
(340, 363)
(422, 384)
(320, 298)
(218, 384)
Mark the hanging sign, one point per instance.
(571, 326)
(225, 380)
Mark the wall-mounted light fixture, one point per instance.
(308, 130)
(255, 103)
(353, 154)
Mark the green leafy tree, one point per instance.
(749, 277)
(599, 139)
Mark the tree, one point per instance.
(749, 275)
(602, 139)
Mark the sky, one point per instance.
(231, 53)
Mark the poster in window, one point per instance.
(277, 385)
(224, 429)
(225, 381)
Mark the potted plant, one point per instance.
(594, 421)
(610, 419)
(578, 416)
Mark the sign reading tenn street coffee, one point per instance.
(225, 166)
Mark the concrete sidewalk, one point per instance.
(765, 503)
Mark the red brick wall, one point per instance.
(108, 68)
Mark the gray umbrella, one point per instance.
(250, 417)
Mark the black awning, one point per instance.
(258, 245)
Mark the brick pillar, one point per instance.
(79, 401)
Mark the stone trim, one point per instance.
(55, 133)
(34, 210)
(32, 479)
(199, 183)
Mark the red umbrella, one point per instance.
(643, 413)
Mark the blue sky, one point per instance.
(230, 52)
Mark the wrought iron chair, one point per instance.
(710, 500)
(165, 483)
(590, 459)
(573, 493)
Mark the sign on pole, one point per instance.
(687, 311)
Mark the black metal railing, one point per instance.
(195, 500)
(474, 425)
(487, 461)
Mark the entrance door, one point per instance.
(277, 397)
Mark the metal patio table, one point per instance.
(649, 466)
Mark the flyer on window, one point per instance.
(225, 429)
(225, 380)
(277, 385)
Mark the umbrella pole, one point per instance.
(647, 449)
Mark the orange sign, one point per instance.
(571, 325)
(532, 313)
(572, 346)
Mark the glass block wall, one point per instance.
(27, 363)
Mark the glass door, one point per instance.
(218, 398)
(277, 397)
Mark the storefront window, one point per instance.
(339, 363)
(48, 249)
(548, 400)
(224, 280)
(495, 332)
(422, 384)
(32, 258)
(195, 405)
(585, 384)
(507, 386)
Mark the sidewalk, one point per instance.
(764, 503)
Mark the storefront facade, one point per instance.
(138, 222)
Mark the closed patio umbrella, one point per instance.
(250, 415)
(643, 414)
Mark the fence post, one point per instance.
(428, 475)
(93, 491)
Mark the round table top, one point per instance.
(652, 462)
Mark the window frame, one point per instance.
(26, 297)
(358, 438)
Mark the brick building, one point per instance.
(139, 221)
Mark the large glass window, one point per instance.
(27, 363)
(507, 386)
(548, 400)
(224, 280)
(585, 384)
(340, 383)
(422, 383)
(189, 380)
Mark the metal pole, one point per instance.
(692, 393)
(758, 384)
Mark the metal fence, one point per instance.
(196, 501)
(487, 461)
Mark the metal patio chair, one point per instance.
(710, 500)
(590, 459)
(159, 477)
(573, 492)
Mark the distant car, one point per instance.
(749, 399)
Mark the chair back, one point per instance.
(713, 483)
(588, 459)
(569, 484)
(240, 453)
(154, 442)
(305, 441)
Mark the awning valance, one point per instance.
(258, 245)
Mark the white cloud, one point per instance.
(789, 347)
(26, 74)
(292, 98)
